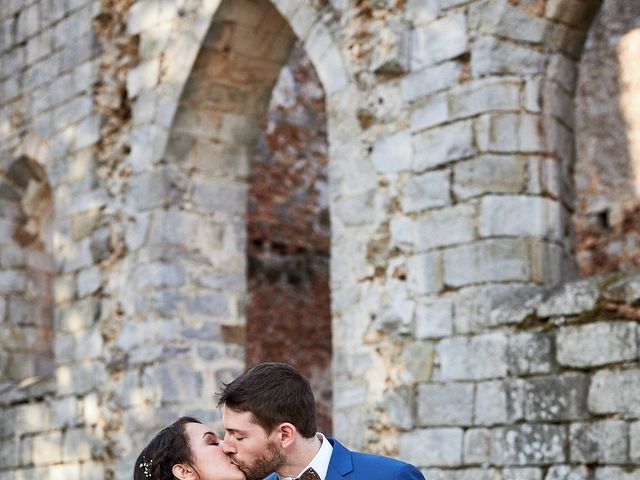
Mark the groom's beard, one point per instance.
(261, 467)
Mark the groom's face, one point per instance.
(254, 451)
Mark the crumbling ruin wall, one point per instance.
(450, 133)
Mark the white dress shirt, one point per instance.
(320, 463)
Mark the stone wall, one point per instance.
(548, 391)
(450, 132)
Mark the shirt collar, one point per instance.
(320, 462)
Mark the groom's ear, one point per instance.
(182, 471)
(287, 433)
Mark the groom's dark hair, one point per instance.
(273, 393)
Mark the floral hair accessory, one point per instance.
(146, 467)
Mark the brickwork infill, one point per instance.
(288, 233)
(607, 154)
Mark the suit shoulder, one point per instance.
(386, 467)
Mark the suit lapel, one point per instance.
(340, 464)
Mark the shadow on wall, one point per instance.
(608, 142)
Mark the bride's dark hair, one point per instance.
(167, 448)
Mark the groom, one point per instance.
(270, 426)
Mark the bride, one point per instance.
(185, 450)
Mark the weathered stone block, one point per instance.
(617, 473)
(434, 318)
(600, 442)
(446, 226)
(9, 452)
(445, 404)
(557, 397)
(393, 153)
(571, 299)
(566, 472)
(432, 447)
(487, 261)
(439, 40)
(427, 190)
(399, 408)
(509, 132)
(424, 273)
(429, 80)
(488, 174)
(473, 358)
(441, 145)
(530, 352)
(80, 444)
(518, 215)
(522, 474)
(597, 344)
(625, 384)
(47, 448)
(492, 56)
(529, 445)
(431, 112)
(626, 290)
(499, 402)
(477, 446)
(507, 21)
(486, 95)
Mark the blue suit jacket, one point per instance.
(349, 465)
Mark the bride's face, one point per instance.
(208, 458)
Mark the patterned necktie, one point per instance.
(309, 474)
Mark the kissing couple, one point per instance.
(270, 431)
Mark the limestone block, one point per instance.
(65, 411)
(576, 13)
(32, 418)
(47, 448)
(142, 16)
(530, 352)
(80, 444)
(39, 46)
(418, 359)
(566, 472)
(429, 80)
(144, 76)
(487, 261)
(474, 358)
(9, 452)
(431, 112)
(564, 71)
(562, 397)
(396, 316)
(508, 133)
(597, 344)
(434, 318)
(488, 173)
(178, 383)
(527, 444)
(439, 40)
(625, 290)
(80, 378)
(438, 146)
(446, 226)
(403, 233)
(486, 95)
(504, 20)
(544, 176)
(393, 153)
(634, 441)
(490, 55)
(518, 215)
(92, 471)
(522, 474)
(625, 384)
(499, 402)
(445, 404)
(349, 393)
(28, 22)
(432, 447)
(355, 209)
(424, 273)
(519, 306)
(571, 299)
(600, 442)
(420, 12)
(72, 111)
(12, 281)
(399, 407)
(427, 190)
(89, 281)
(477, 446)
(331, 70)
(78, 52)
(617, 473)
(77, 316)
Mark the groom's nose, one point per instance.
(228, 446)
